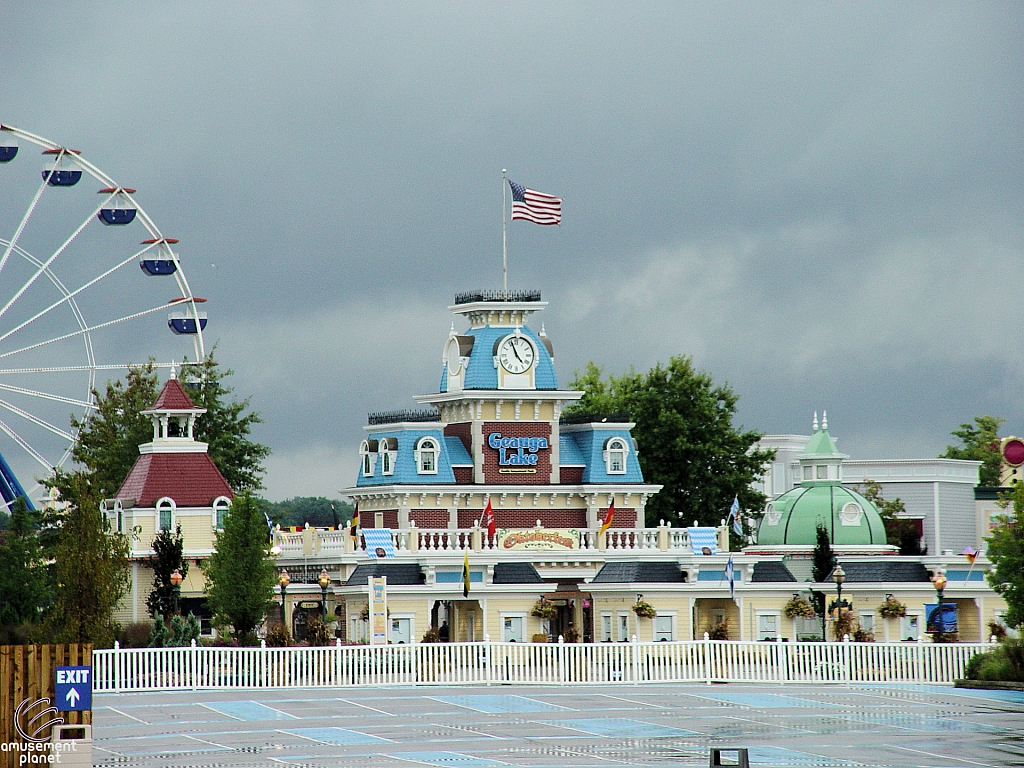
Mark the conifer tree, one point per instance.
(167, 548)
(240, 576)
(823, 560)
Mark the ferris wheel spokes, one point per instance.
(46, 264)
(46, 395)
(22, 225)
(25, 446)
(37, 421)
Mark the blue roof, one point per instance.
(457, 452)
(591, 442)
(569, 453)
(481, 373)
(405, 462)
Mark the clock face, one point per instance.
(516, 354)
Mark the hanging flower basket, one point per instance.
(644, 610)
(544, 610)
(798, 607)
(892, 609)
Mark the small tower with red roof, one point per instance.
(174, 482)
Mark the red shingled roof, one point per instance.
(191, 479)
(173, 398)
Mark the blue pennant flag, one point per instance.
(734, 515)
(730, 574)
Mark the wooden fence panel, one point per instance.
(27, 675)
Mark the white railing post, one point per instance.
(193, 663)
(635, 649)
(117, 666)
(487, 658)
(561, 659)
(846, 659)
(707, 658)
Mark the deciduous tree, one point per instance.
(899, 531)
(686, 437)
(1006, 551)
(90, 565)
(240, 576)
(23, 582)
(979, 442)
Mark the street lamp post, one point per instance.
(939, 582)
(284, 580)
(176, 579)
(839, 576)
(324, 581)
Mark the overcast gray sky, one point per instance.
(820, 202)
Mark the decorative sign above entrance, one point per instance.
(517, 454)
(543, 538)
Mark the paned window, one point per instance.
(615, 456)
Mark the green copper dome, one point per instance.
(793, 518)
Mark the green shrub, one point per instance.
(134, 635)
(973, 666)
(317, 633)
(1005, 663)
(278, 636)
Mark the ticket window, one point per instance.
(910, 627)
(767, 626)
(606, 627)
(623, 627)
(401, 631)
(513, 629)
(663, 628)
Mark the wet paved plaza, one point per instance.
(647, 725)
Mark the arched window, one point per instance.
(425, 454)
(221, 506)
(387, 452)
(368, 456)
(165, 514)
(615, 451)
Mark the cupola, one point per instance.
(174, 419)
(821, 463)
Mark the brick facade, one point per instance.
(498, 475)
(527, 518)
(367, 518)
(571, 475)
(624, 517)
(463, 475)
(429, 518)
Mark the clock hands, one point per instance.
(515, 352)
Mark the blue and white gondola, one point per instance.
(184, 323)
(159, 260)
(120, 209)
(8, 147)
(61, 168)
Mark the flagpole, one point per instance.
(504, 241)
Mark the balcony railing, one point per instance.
(413, 540)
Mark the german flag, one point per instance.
(609, 516)
(353, 526)
(465, 575)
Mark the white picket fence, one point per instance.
(707, 661)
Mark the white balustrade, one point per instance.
(152, 669)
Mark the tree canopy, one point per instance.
(90, 564)
(168, 547)
(686, 438)
(23, 584)
(899, 531)
(226, 425)
(979, 442)
(1006, 551)
(315, 510)
(109, 437)
(240, 576)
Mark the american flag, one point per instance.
(538, 207)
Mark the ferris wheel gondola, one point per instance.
(72, 309)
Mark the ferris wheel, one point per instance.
(74, 310)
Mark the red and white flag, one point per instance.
(487, 519)
(538, 207)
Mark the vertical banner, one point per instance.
(379, 610)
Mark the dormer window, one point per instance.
(368, 456)
(388, 451)
(426, 456)
(822, 471)
(165, 514)
(808, 472)
(221, 506)
(615, 451)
